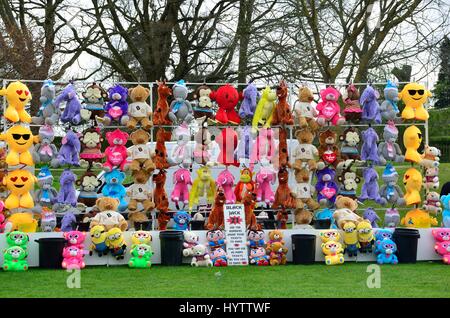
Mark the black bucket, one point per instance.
(303, 248)
(83, 226)
(270, 224)
(322, 224)
(144, 226)
(171, 247)
(50, 251)
(406, 240)
(197, 225)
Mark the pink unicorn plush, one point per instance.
(265, 177)
(75, 238)
(73, 257)
(181, 180)
(264, 146)
(226, 180)
(329, 109)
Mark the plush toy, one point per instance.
(249, 202)
(303, 219)
(255, 238)
(226, 97)
(387, 249)
(67, 193)
(48, 114)
(330, 236)
(160, 159)
(203, 145)
(88, 190)
(19, 140)
(412, 179)
(325, 214)
(116, 243)
(203, 186)
(182, 152)
(219, 257)
(200, 256)
(414, 96)
(303, 191)
(443, 249)
(75, 238)
(203, 104)
(140, 152)
(282, 148)
(350, 141)
(282, 113)
(370, 190)
(216, 217)
(329, 153)
(141, 237)
(445, 200)
(371, 215)
(94, 98)
(245, 146)
(69, 153)
(365, 236)
(46, 195)
(116, 108)
(91, 143)
(141, 255)
(182, 220)
(441, 235)
(180, 109)
(15, 259)
(389, 108)
(17, 96)
(417, 218)
(250, 98)
(431, 179)
(140, 192)
(430, 157)
(432, 203)
(264, 146)
(380, 235)
(264, 109)
(71, 113)
(114, 188)
(227, 141)
(48, 220)
(116, 152)
(326, 187)
(283, 198)
(245, 184)
(139, 111)
(352, 110)
(390, 192)
(389, 150)
(19, 184)
(161, 114)
(303, 111)
(98, 240)
(350, 237)
(277, 253)
(391, 218)
(412, 138)
(304, 155)
(369, 149)
(181, 180)
(333, 253)
(258, 256)
(264, 178)
(216, 239)
(73, 257)
(68, 221)
(17, 238)
(225, 179)
(349, 181)
(45, 151)
(275, 236)
(190, 240)
(160, 197)
(23, 222)
(329, 109)
(344, 215)
(370, 107)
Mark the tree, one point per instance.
(442, 87)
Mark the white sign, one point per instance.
(235, 229)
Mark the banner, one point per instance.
(235, 228)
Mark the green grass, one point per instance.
(425, 279)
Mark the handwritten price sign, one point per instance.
(235, 228)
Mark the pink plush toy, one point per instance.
(73, 257)
(265, 177)
(441, 235)
(116, 152)
(443, 248)
(3, 220)
(264, 146)
(75, 238)
(226, 180)
(329, 109)
(181, 180)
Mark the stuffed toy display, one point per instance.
(190, 240)
(141, 153)
(14, 259)
(216, 239)
(258, 256)
(390, 192)
(226, 98)
(48, 114)
(181, 180)
(141, 237)
(160, 197)
(303, 191)
(329, 153)
(219, 257)
(48, 220)
(17, 97)
(418, 218)
(227, 141)
(91, 154)
(380, 235)
(391, 218)
(203, 104)
(345, 211)
(116, 152)
(277, 253)
(350, 238)
(94, 98)
(303, 111)
(225, 179)
(69, 153)
(180, 109)
(349, 144)
(161, 114)
(432, 203)
(412, 179)
(389, 150)
(46, 195)
(67, 193)
(303, 219)
(139, 111)
(255, 238)
(431, 179)
(203, 186)
(445, 200)
(414, 95)
(283, 198)
(73, 257)
(17, 238)
(182, 152)
(19, 140)
(326, 187)
(264, 178)
(200, 256)
(71, 113)
(88, 190)
(264, 146)
(249, 202)
(442, 244)
(412, 138)
(333, 253)
(369, 149)
(245, 184)
(250, 97)
(304, 155)
(114, 188)
(216, 217)
(116, 108)
(264, 109)
(98, 240)
(45, 151)
(182, 220)
(282, 113)
(352, 110)
(430, 157)
(160, 158)
(19, 184)
(275, 236)
(75, 238)
(387, 249)
(68, 221)
(370, 189)
(330, 236)
(370, 106)
(23, 222)
(389, 108)
(282, 148)
(141, 255)
(371, 215)
(203, 145)
(140, 192)
(328, 108)
(348, 182)
(365, 236)
(116, 243)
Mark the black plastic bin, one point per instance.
(83, 226)
(406, 240)
(322, 224)
(303, 248)
(197, 225)
(144, 226)
(171, 247)
(270, 224)
(50, 251)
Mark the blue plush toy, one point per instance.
(114, 188)
(445, 199)
(380, 235)
(326, 214)
(387, 249)
(181, 219)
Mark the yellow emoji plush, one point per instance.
(418, 219)
(19, 183)
(19, 140)
(414, 95)
(17, 96)
(23, 222)
(413, 184)
(412, 138)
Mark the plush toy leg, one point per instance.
(11, 114)
(148, 205)
(13, 158)
(24, 116)
(302, 122)
(408, 112)
(149, 166)
(312, 204)
(221, 116)
(132, 122)
(146, 123)
(233, 117)
(132, 205)
(12, 202)
(26, 201)
(135, 165)
(26, 158)
(421, 113)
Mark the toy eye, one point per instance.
(24, 179)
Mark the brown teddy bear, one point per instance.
(329, 153)
(304, 112)
(345, 211)
(139, 111)
(140, 192)
(140, 152)
(303, 219)
(305, 153)
(108, 215)
(304, 191)
(275, 236)
(277, 253)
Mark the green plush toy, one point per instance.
(15, 259)
(140, 256)
(17, 238)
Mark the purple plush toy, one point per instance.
(371, 216)
(117, 107)
(68, 221)
(370, 107)
(71, 112)
(326, 187)
(67, 193)
(245, 146)
(369, 190)
(369, 149)
(69, 153)
(248, 105)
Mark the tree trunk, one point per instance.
(243, 30)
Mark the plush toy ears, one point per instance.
(213, 95)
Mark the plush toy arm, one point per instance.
(397, 149)
(193, 196)
(399, 190)
(2, 136)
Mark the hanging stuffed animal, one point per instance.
(303, 111)
(46, 195)
(225, 179)
(249, 202)
(264, 109)
(88, 190)
(141, 153)
(348, 182)
(108, 217)
(264, 178)
(19, 184)
(162, 136)
(17, 97)
(203, 104)
(250, 98)
(283, 197)
(430, 157)
(69, 153)
(390, 192)
(412, 138)
(180, 108)
(67, 193)
(370, 107)
(48, 114)
(304, 191)
(139, 111)
(245, 184)
(431, 179)
(203, 145)
(159, 193)
(114, 188)
(389, 150)
(182, 220)
(370, 190)
(91, 154)
(389, 108)
(282, 113)
(329, 109)
(203, 186)
(71, 113)
(350, 141)
(304, 155)
(432, 203)
(116, 108)
(182, 152)
(369, 149)
(371, 215)
(245, 146)
(227, 141)
(412, 179)
(264, 146)
(45, 151)
(414, 95)
(181, 180)
(48, 220)
(328, 150)
(326, 187)
(116, 152)
(391, 218)
(94, 98)
(352, 110)
(140, 192)
(216, 217)
(161, 114)
(19, 140)
(226, 97)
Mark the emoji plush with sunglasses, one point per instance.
(414, 95)
(17, 95)
(19, 140)
(19, 183)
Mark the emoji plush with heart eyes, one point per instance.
(414, 95)
(413, 184)
(412, 138)
(19, 183)
(17, 95)
(19, 140)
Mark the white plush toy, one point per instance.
(190, 241)
(201, 256)
(182, 153)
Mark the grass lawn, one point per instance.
(425, 279)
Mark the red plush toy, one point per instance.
(226, 97)
(227, 141)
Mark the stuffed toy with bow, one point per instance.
(46, 195)
(329, 109)
(71, 113)
(19, 140)
(190, 240)
(264, 178)
(91, 143)
(389, 107)
(277, 253)
(390, 192)
(282, 113)
(48, 114)
(19, 184)
(389, 150)
(352, 109)
(227, 141)
(181, 180)
(432, 203)
(116, 153)
(203, 185)
(304, 112)
(226, 98)
(225, 179)
(182, 152)
(94, 98)
(67, 193)
(139, 111)
(412, 138)
(369, 149)
(161, 114)
(371, 109)
(414, 95)
(45, 151)
(17, 97)
(250, 97)
(264, 110)
(114, 188)
(369, 190)
(263, 147)
(200, 256)
(180, 109)
(116, 109)
(431, 179)
(203, 145)
(141, 153)
(69, 153)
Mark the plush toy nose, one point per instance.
(116, 96)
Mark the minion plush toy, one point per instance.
(116, 243)
(98, 239)
(19, 140)
(19, 183)
(412, 138)
(414, 95)
(17, 95)
(413, 184)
